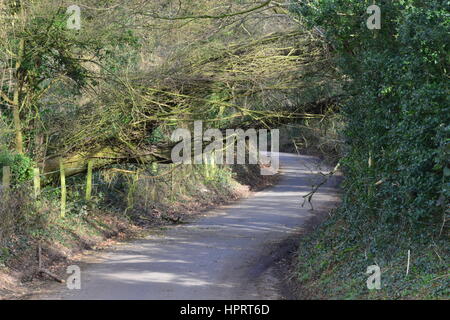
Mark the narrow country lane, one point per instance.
(227, 254)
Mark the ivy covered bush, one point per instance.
(397, 112)
(21, 166)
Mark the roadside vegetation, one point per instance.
(90, 111)
(396, 153)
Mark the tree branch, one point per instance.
(226, 15)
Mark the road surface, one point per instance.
(229, 253)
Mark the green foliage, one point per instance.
(4, 255)
(398, 135)
(398, 115)
(21, 166)
(333, 260)
(157, 136)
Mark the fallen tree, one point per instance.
(100, 100)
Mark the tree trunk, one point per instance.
(102, 156)
(16, 99)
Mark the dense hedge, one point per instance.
(396, 189)
(398, 115)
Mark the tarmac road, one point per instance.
(229, 253)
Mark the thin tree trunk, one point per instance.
(16, 100)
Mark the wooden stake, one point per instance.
(45, 271)
(153, 192)
(206, 166)
(154, 168)
(409, 258)
(172, 193)
(36, 182)
(63, 188)
(40, 255)
(213, 164)
(52, 275)
(89, 180)
(6, 181)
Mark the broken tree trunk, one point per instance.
(103, 156)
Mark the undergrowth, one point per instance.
(397, 150)
(124, 205)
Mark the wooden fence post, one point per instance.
(213, 164)
(63, 188)
(154, 171)
(36, 182)
(153, 192)
(132, 190)
(6, 180)
(206, 166)
(89, 180)
(172, 193)
(182, 180)
(154, 168)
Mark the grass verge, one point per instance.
(332, 262)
